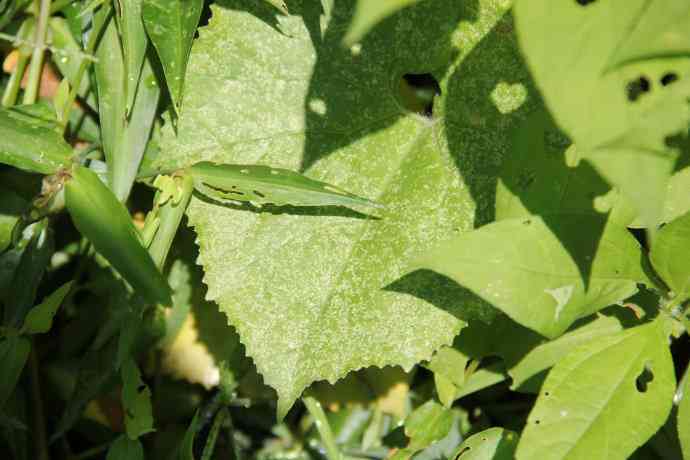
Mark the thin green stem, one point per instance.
(323, 427)
(170, 215)
(213, 434)
(39, 432)
(59, 5)
(9, 97)
(36, 66)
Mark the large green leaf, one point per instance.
(684, 418)
(312, 291)
(668, 248)
(604, 399)
(619, 118)
(171, 25)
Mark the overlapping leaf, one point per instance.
(619, 117)
(312, 292)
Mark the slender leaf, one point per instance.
(40, 318)
(185, 450)
(262, 184)
(134, 43)
(171, 25)
(14, 352)
(32, 141)
(491, 444)
(106, 223)
(136, 399)
(684, 417)
(672, 241)
(604, 399)
(280, 4)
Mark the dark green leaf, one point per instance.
(134, 43)
(12, 206)
(684, 417)
(14, 351)
(100, 217)
(40, 318)
(185, 450)
(124, 448)
(171, 25)
(491, 444)
(136, 399)
(263, 184)
(604, 399)
(31, 142)
(368, 13)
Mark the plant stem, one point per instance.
(36, 66)
(323, 427)
(213, 435)
(9, 97)
(170, 215)
(40, 443)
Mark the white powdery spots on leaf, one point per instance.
(314, 293)
(562, 296)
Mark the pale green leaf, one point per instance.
(312, 291)
(136, 399)
(368, 13)
(604, 399)
(668, 247)
(491, 444)
(619, 119)
(14, 351)
(450, 362)
(40, 318)
(124, 448)
(265, 185)
(134, 43)
(482, 378)
(171, 25)
(521, 267)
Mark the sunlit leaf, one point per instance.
(491, 444)
(668, 245)
(604, 399)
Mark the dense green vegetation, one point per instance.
(344, 229)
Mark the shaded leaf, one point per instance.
(521, 268)
(185, 450)
(619, 119)
(491, 444)
(266, 185)
(32, 141)
(333, 314)
(368, 13)
(672, 240)
(124, 448)
(427, 424)
(604, 399)
(12, 207)
(684, 418)
(40, 318)
(171, 25)
(14, 351)
(101, 218)
(280, 4)
(136, 399)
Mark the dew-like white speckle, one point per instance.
(318, 106)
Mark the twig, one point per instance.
(36, 66)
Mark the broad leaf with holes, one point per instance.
(604, 399)
(312, 291)
(620, 118)
(491, 444)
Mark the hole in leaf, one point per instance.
(584, 2)
(637, 88)
(668, 78)
(537, 422)
(640, 235)
(417, 92)
(547, 394)
(644, 379)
